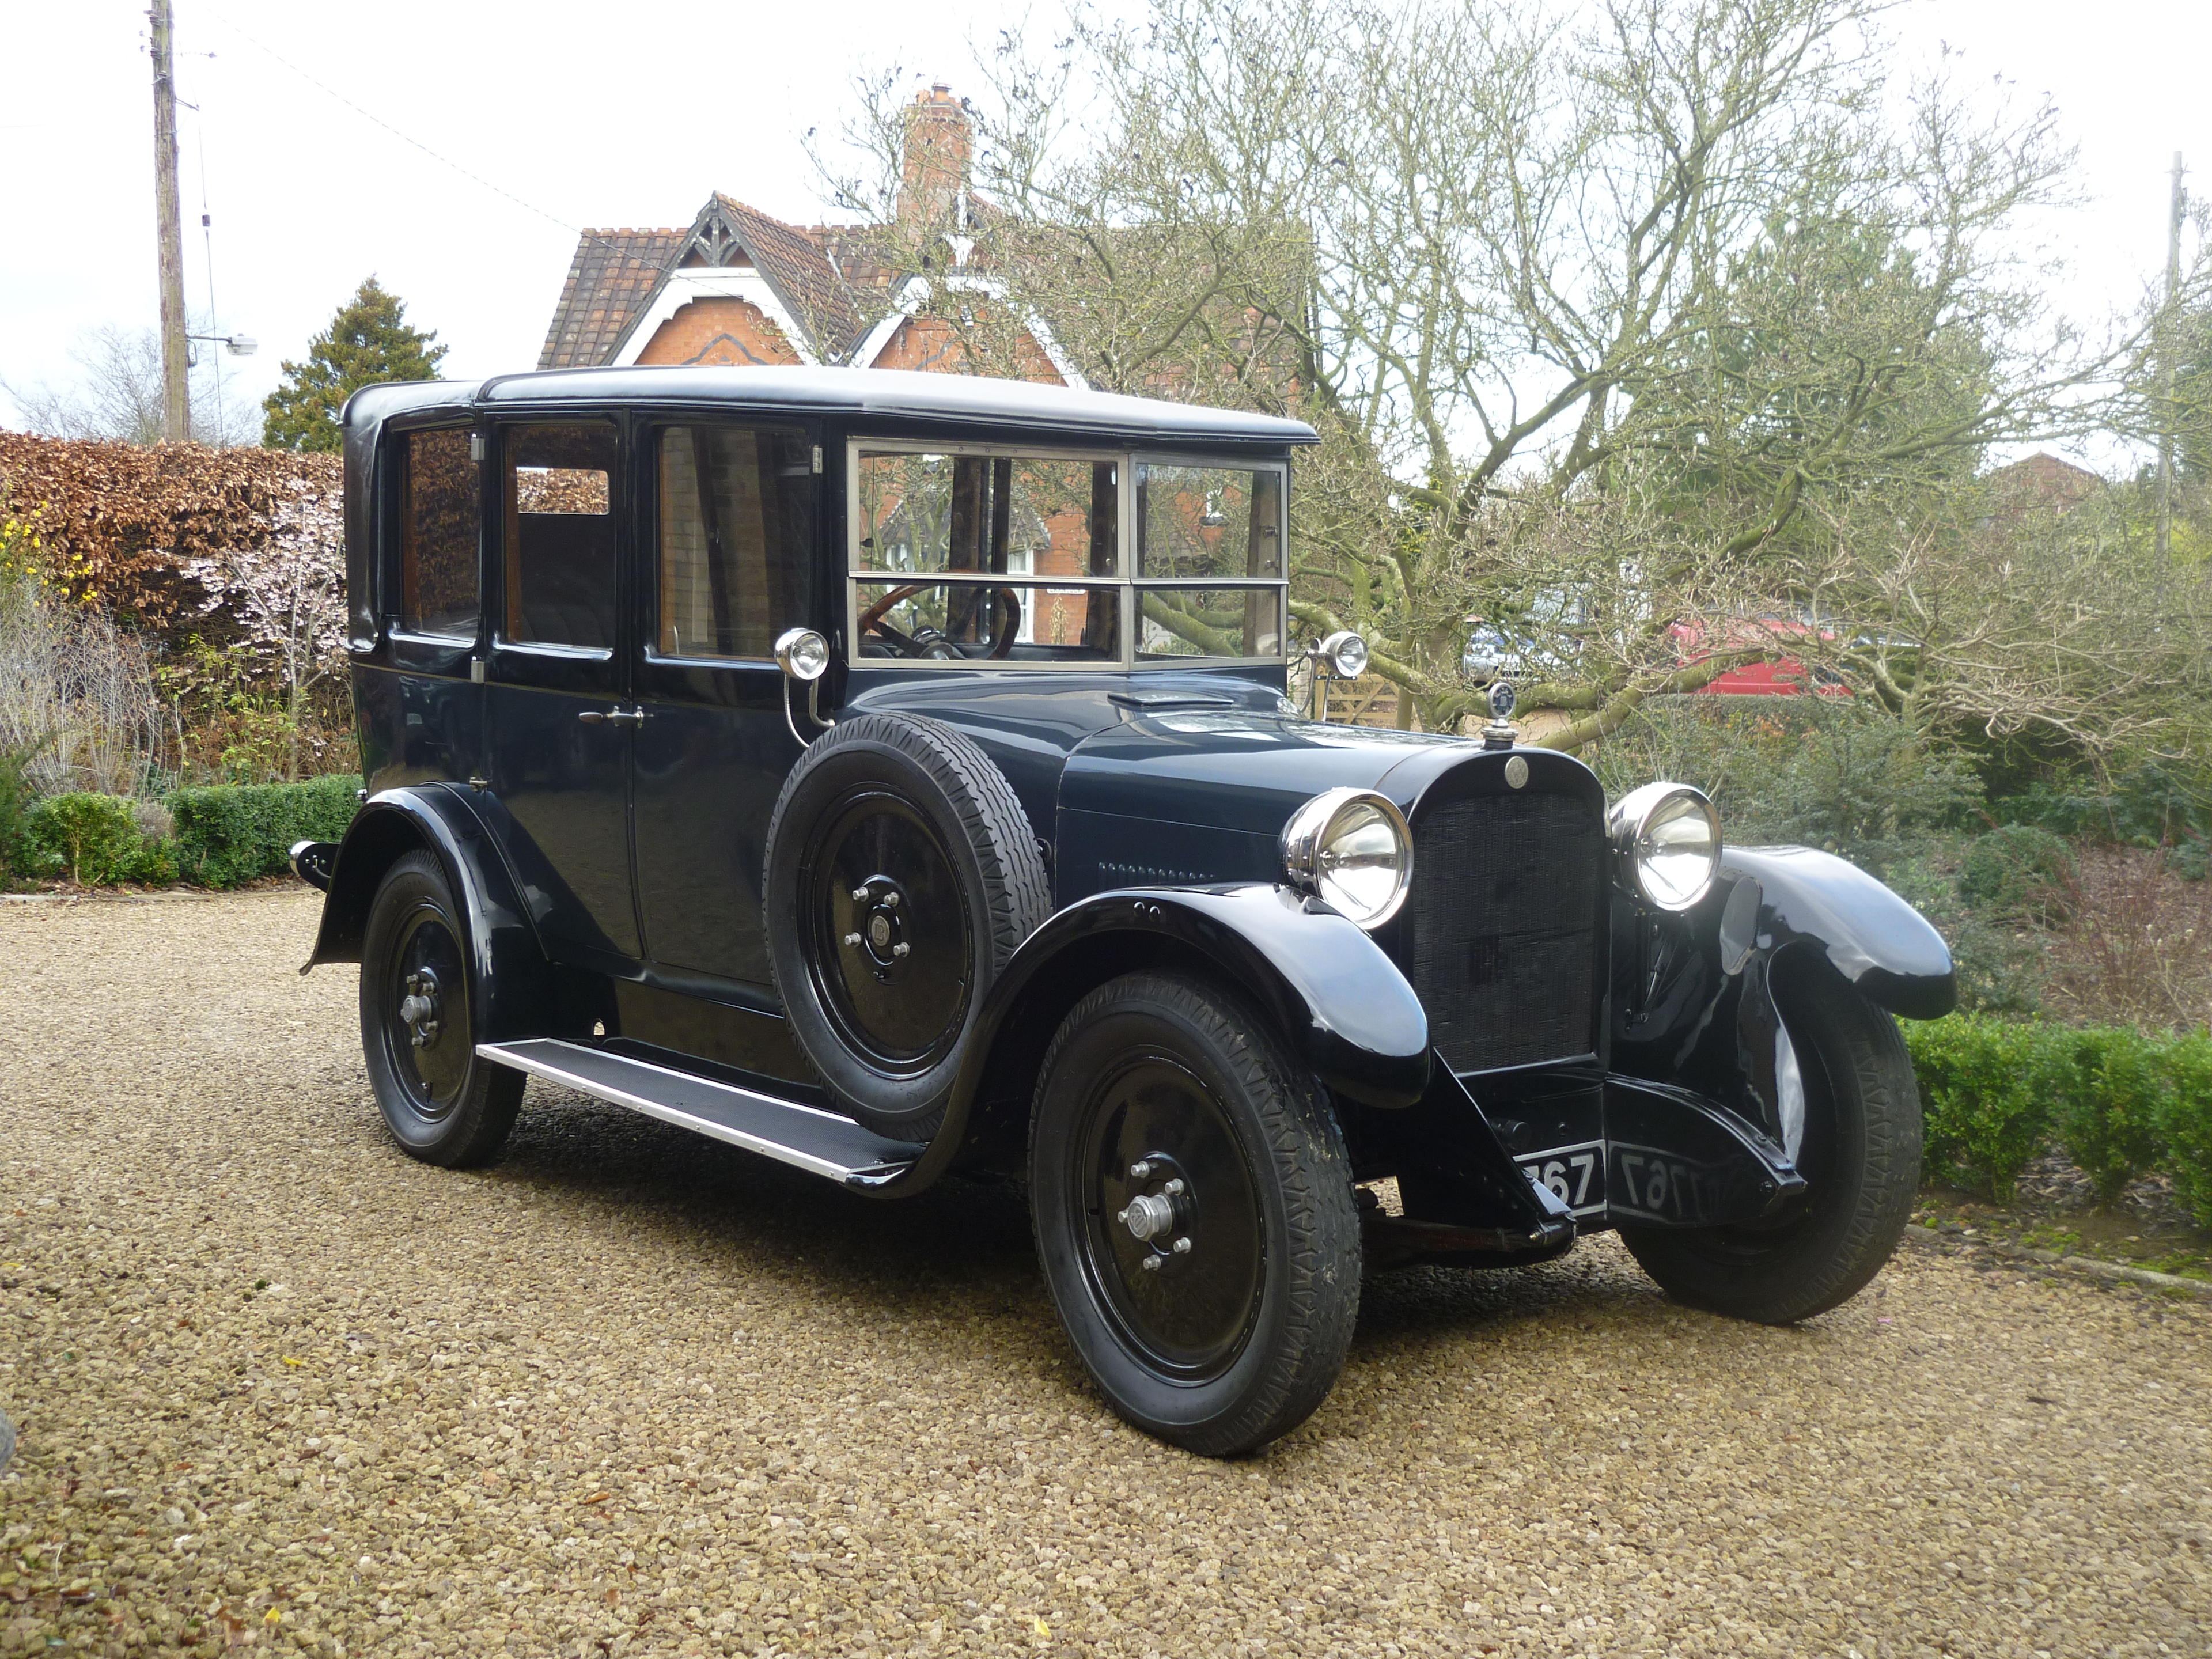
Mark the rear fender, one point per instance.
(512, 989)
(1323, 984)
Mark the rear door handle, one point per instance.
(613, 716)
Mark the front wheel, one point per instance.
(443, 1102)
(1860, 1158)
(1194, 1214)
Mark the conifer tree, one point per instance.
(367, 341)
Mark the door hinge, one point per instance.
(817, 457)
(476, 447)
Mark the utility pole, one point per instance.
(176, 389)
(2165, 349)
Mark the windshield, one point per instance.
(1020, 559)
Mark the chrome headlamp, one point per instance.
(1666, 843)
(1351, 847)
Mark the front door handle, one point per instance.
(613, 716)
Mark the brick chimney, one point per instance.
(939, 144)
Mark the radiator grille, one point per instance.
(1504, 915)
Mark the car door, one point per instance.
(560, 730)
(727, 567)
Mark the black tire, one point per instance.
(1153, 1079)
(1860, 1158)
(883, 991)
(443, 1102)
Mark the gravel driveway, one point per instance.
(632, 1392)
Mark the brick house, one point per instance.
(738, 288)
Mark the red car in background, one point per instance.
(1782, 677)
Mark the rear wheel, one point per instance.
(1194, 1214)
(1860, 1158)
(443, 1102)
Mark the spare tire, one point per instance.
(902, 873)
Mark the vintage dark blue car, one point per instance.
(894, 775)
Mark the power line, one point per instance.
(443, 161)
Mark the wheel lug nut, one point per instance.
(859, 896)
(852, 941)
(1140, 1169)
(1173, 1189)
(1152, 1264)
(1182, 1246)
(901, 948)
(891, 901)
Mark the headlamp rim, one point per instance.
(1628, 821)
(1309, 830)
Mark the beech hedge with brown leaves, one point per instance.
(147, 530)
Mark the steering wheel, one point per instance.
(926, 642)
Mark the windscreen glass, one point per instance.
(1197, 521)
(1209, 621)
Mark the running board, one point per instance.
(806, 1138)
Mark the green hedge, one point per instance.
(2119, 1103)
(231, 833)
(217, 836)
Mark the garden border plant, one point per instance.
(2119, 1103)
(217, 835)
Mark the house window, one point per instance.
(438, 534)
(558, 485)
(736, 511)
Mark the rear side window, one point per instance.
(737, 523)
(559, 487)
(440, 516)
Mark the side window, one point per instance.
(736, 527)
(440, 510)
(559, 487)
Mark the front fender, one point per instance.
(1873, 938)
(511, 987)
(1318, 978)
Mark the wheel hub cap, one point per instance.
(418, 1010)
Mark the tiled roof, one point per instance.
(796, 267)
(612, 277)
(616, 273)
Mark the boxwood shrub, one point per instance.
(2120, 1102)
(1988, 1112)
(228, 834)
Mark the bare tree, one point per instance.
(1627, 330)
(118, 394)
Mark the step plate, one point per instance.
(804, 1137)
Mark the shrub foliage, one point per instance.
(2119, 1103)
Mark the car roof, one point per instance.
(886, 391)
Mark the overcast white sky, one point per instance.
(630, 114)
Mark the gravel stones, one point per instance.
(629, 1392)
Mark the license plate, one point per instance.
(1576, 1174)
